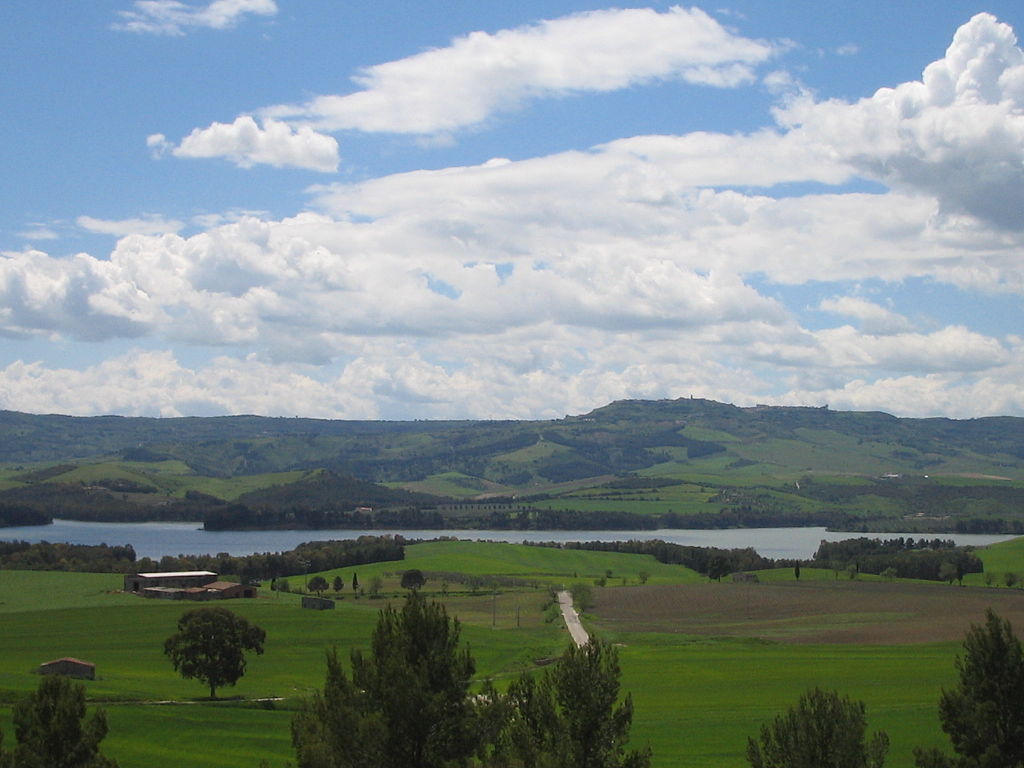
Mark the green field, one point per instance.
(999, 559)
(698, 702)
(697, 698)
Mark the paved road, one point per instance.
(572, 619)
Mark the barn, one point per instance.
(69, 667)
(137, 582)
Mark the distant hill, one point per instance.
(633, 463)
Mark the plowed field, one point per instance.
(808, 611)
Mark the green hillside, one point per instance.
(631, 464)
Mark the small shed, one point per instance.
(318, 603)
(745, 578)
(69, 667)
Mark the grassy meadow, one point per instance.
(697, 696)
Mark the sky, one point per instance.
(378, 209)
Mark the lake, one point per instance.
(155, 540)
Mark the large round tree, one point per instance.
(210, 645)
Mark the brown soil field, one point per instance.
(806, 612)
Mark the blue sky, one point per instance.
(510, 210)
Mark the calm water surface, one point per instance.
(158, 539)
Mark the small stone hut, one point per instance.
(69, 667)
(318, 603)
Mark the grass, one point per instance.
(697, 698)
(697, 703)
(999, 559)
(544, 566)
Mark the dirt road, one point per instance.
(572, 619)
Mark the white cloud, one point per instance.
(147, 225)
(875, 319)
(480, 74)
(170, 17)
(954, 348)
(80, 298)
(442, 90)
(956, 135)
(546, 286)
(246, 143)
(39, 232)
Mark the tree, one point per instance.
(355, 582)
(573, 717)
(823, 730)
(582, 596)
(796, 571)
(317, 584)
(338, 584)
(407, 703)
(718, 567)
(413, 579)
(984, 714)
(596, 724)
(50, 731)
(210, 645)
(947, 572)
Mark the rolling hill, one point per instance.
(674, 463)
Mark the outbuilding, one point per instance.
(137, 582)
(69, 667)
(318, 603)
(220, 590)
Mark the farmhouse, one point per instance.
(69, 667)
(136, 582)
(185, 585)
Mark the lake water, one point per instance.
(158, 539)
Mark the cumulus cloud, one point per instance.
(480, 74)
(247, 143)
(79, 298)
(954, 348)
(644, 267)
(170, 17)
(956, 135)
